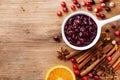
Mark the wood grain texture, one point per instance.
(27, 49)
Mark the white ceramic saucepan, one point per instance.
(99, 23)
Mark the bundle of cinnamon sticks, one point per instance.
(97, 58)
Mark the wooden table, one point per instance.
(27, 49)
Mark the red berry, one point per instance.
(113, 26)
(96, 77)
(107, 30)
(117, 33)
(78, 5)
(118, 42)
(63, 4)
(98, 14)
(75, 2)
(92, 2)
(107, 8)
(89, 8)
(75, 66)
(102, 16)
(100, 8)
(88, 4)
(102, 1)
(59, 13)
(84, 67)
(109, 59)
(56, 38)
(73, 7)
(84, 78)
(65, 9)
(90, 75)
(73, 60)
(77, 72)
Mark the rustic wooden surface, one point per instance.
(27, 49)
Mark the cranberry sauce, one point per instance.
(80, 30)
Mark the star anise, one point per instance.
(62, 53)
(108, 71)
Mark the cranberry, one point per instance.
(84, 67)
(77, 72)
(90, 75)
(102, 16)
(65, 9)
(75, 66)
(100, 8)
(107, 8)
(59, 13)
(56, 38)
(73, 60)
(117, 33)
(63, 4)
(78, 21)
(73, 7)
(92, 2)
(118, 42)
(98, 14)
(81, 40)
(75, 2)
(109, 59)
(107, 30)
(89, 8)
(78, 5)
(84, 78)
(106, 0)
(96, 77)
(102, 1)
(113, 26)
(88, 4)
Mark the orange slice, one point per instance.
(60, 72)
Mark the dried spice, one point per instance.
(108, 72)
(62, 53)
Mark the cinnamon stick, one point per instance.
(86, 54)
(116, 63)
(117, 67)
(106, 50)
(115, 56)
(111, 51)
(72, 54)
(100, 72)
(92, 66)
(86, 60)
(82, 57)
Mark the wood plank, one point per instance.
(27, 49)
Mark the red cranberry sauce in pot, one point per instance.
(80, 30)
